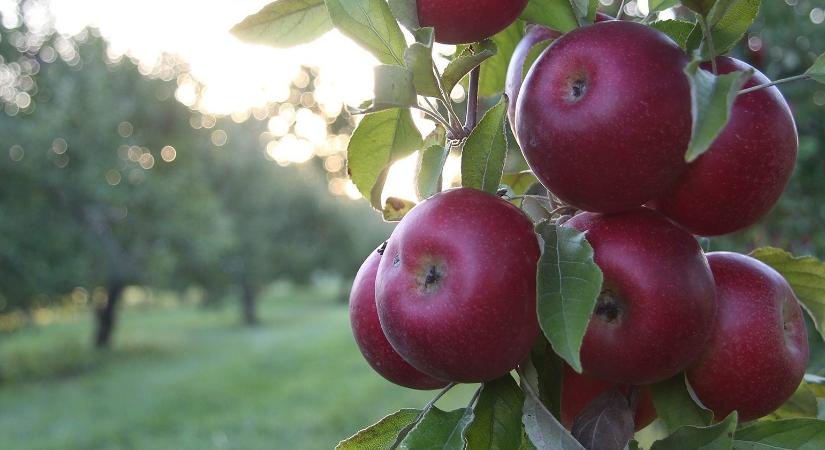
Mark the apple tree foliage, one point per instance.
(413, 76)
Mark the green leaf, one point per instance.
(431, 163)
(494, 70)
(393, 88)
(714, 437)
(675, 406)
(805, 274)
(544, 430)
(801, 404)
(728, 25)
(370, 24)
(702, 7)
(406, 12)
(467, 60)
(678, 30)
(482, 161)
(556, 14)
(569, 283)
(544, 369)
(712, 98)
(792, 434)
(380, 139)
(380, 435)
(439, 430)
(285, 23)
(584, 10)
(817, 71)
(419, 59)
(396, 208)
(497, 423)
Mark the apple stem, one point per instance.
(803, 76)
(472, 100)
(621, 11)
(406, 430)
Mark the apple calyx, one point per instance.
(609, 307)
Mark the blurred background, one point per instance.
(178, 235)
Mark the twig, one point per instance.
(804, 76)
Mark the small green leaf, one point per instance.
(585, 10)
(439, 430)
(712, 98)
(431, 163)
(729, 24)
(380, 435)
(482, 161)
(497, 423)
(419, 59)
(394, 88)
(380, 139)
(569, 283)
(544, 430)
(466, 61)
(801, 404)
(519, 182)
(792, 434)
(817, 71)
(675, 406)
(556, 14)
(406, 12)
(678, 30)
(370, 24)
(396, 208)
(702, 7)
(714, 437)
(285, 23)
(805, 274)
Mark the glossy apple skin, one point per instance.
(456, 288)
(580, 113)
(758, 351)
(465, 21)
(743, 174)
(657, 305)
(578, 390)
(371, 339)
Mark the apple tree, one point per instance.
(565, 274)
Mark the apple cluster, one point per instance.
(604, 121)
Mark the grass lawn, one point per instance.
(182, 377)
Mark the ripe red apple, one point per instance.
(370, 338)
(758, 351)
(739, 179)
(456, 288)
(657, 304)
(464, 21)
(577, 391)
(604, 116)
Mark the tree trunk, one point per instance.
(105, 315)
(248, 305)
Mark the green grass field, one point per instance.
(183, 377)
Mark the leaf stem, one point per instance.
(406, 430)
(437, 117)
(703, 23)
(471, 118)
(803, 76)
(620, 13)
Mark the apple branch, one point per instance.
(703, 23)
(471, 118)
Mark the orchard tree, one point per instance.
(643, 138)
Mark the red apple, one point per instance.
(604, 116)
(464, 21)
(739, 179)
(456, 288)
(370, 338)
(577, 391)
(758, 351)
(656, 307)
